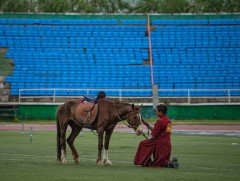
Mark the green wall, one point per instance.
(199, 112)
(31, 112)
(211, 112)
(72, 17)
(196, 16)
(177, 112)
(119, 17)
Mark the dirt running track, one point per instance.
(231, 130)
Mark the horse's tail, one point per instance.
(58, 137)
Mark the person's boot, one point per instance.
(174, 163)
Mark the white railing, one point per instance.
(188, 94)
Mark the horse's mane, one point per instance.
(66, 107)
(121, 102)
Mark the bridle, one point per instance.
(128, 114)
(139, 116)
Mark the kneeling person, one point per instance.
(159, 145)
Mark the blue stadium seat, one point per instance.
(187, 53)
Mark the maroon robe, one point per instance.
(159, 147)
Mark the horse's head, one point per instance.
(134, 119)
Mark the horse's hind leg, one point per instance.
(61, 136)
(75, 132)
(100, 146)
(63, 143)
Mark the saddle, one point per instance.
(86, 112)
(90, 98)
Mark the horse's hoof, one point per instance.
(106, 162)
(100, 163)
(77, 161)
(64, 161)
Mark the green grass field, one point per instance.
(201, 158)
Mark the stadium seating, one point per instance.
(73, 54)
(206, 54)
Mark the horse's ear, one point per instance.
(140, 107)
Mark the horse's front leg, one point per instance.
(108, 135)
(100, 147)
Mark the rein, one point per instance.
(143, 134)
(117, 112)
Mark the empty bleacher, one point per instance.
(72, 54)
(69, 54)
(197, 54)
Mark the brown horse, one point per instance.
(109, 113)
